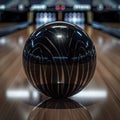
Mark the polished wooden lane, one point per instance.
(101, 97)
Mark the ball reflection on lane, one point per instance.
(62, 109)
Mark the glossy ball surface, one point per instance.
(59, 59)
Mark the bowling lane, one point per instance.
(113, 25)
(101, 97)
(3, 25)
(7, 28)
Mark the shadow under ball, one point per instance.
(59, 59)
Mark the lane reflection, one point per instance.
(30, 95)
(51, 109)
(59, 109)
(91, 96)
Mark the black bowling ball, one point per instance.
(59, 59)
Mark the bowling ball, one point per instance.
(59, 59)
